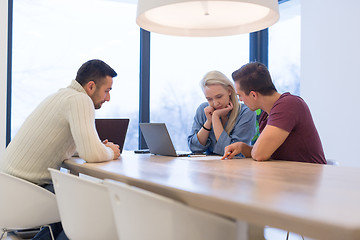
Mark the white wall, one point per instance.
(3, 71)
(330, 74)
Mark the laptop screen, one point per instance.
(113, 129)
(158, 139)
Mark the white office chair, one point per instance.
(141, 214)
(24, 205)
(84, 206)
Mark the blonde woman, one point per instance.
(221, 120)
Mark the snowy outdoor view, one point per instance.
(51, 39)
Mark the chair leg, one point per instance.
(51, 232)
(287, 236)
(4, 231)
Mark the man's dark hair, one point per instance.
(254, 76)
(94, 70)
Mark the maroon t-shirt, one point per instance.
(303, 144)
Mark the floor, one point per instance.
(11, 236)
(270, 234)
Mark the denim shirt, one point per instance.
(243, 131)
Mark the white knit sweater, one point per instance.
(62, 123)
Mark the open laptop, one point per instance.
(158, 140)
(113, 129)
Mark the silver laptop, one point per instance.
(158, 140)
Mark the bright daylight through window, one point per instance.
(51, 40)
(284, 48)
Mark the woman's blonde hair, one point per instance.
(218, 78)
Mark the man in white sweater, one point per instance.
(63, 123)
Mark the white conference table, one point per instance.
(318, 201)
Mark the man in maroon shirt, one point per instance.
(287, 130)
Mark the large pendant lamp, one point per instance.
(206, 18)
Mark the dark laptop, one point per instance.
(158, 140)
(113, 129)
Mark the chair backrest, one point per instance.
(25, 205)
(141, 214)
(84, 206)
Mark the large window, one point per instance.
(51, 39)
(177, 66)
(284, 48)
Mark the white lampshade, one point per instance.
(206, 18)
